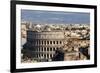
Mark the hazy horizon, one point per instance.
(55, 17)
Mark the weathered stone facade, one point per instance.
(43, 45)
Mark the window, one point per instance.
(50, 49)
(60, 42)
(50, 55)
(47, 49)
(56, 42)
(53, 49)
(50, 42)
(44, 49)
(47, 55)
(47, 42)
(53, 42)
(44, 55)
(42, 42)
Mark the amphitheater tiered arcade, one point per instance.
(44, 44)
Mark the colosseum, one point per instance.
(43, 46)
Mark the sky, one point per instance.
(55, 17)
